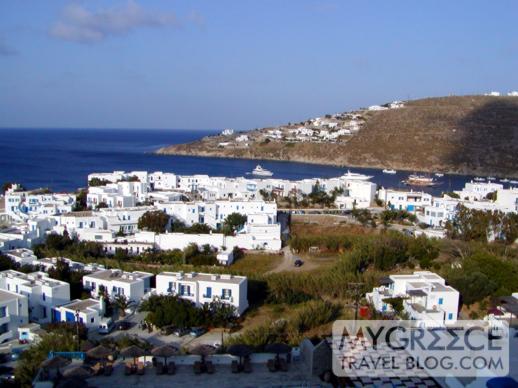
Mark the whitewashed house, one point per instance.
(426, 297)
(89, 312)
(507, 199)
(22, 256)
(201, 288)
(14, 312)
(411, 201)
(477, 191)
(43, 292)
(133, 285)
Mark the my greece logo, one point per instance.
(412, 348)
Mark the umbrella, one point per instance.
(165, 351)
(203, 351)
(72, 382)
(99, 352)
(240, 350)
(87, 345)
(77, 371)
(55, 363)
(134, 352)
(278, 348)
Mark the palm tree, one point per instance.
(122, 304)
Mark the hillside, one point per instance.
(461, 134)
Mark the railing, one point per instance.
(69, 355)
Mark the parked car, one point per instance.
(298, 263)
(197, 331)
(180, 331)
(124, 325)
(167, 330)
(106, 326)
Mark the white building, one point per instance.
(90, 312)
(14, 312)
(22, 256)
(133, 285)
(478, 191)
(507, 199)
(201, 288)
(21, 204)
(43, 292)
(411, 201)
(426, 297)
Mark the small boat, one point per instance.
(355, 176)
(479, 179)
(389, 171)
(439, 174)
(420, 180)
(505, 180)
(259, 171)
(491, 178)
(513, 182)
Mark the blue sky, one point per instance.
(242, 64)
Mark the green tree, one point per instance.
(122, 303)
(233, 222)
(154, 221)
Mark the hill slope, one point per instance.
(465, 134)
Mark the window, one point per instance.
(450, 316)
(43, 296)
(208, 293)
(441, 300)
(3, 312)
(92, 320)
(226, 293)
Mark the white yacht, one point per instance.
(259, 171)
(505, 180)
(352, 176)
(439, 174)
(389, 171)
(479, 179)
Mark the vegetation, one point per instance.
(59, 338)
(171, 310)
(62, 271)
(192, 254)
(81, 200)
(480, 225)
(388, 216)
(154, 221)
(196, 228)
(233, 223)
(94, 182)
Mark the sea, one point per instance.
(61, 159)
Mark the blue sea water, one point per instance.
(61, 159)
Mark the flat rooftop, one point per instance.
(128, 277)
(81, 305)
(205, 277)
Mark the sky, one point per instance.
(242, 64)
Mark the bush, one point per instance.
(154, 221)
(315, 313)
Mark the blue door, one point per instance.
(70, 317)
(56, 316)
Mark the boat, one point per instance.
(479, 179)
(389, 171)
(260, 171)
(420, 180)
(505, 180)
(439, 174)
(352, 176)
(513, 182)
(491, 178)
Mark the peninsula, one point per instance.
(458, 134)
